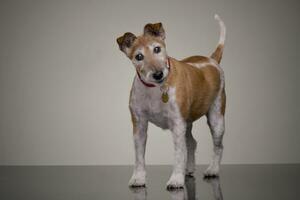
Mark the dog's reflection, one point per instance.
(187, 193)
(216, 187)
(139, 193)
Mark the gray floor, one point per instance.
(110, 183)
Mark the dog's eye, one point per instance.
(139, 57)
(157, 49)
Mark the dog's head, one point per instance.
(147, 52)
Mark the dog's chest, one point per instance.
(147, 102)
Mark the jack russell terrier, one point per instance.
(172, 94)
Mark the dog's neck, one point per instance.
(146, 84)
(150, 84)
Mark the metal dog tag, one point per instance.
(165, 97)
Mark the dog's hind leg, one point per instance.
(216, 123)
(191, 148)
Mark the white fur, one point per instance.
(204, 64)
(146, 104)
(140, 138)
(191, 145)
(222, 29)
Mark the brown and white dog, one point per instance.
(172, 94)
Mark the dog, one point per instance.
(172, 94)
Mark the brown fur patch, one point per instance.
(195, 88)
(155, 30)
(126, 41)
(217, 54)
(223, 107)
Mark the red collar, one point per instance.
(150, 84)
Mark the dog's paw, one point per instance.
(176, 181)
(212, 171)
(138, 179)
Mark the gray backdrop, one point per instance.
(64, 85)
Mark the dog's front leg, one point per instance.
(138, 178)
(177, 178)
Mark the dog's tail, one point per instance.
(217, 54)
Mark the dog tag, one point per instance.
(165, 97)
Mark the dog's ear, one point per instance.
(125, 42)
(155, 30)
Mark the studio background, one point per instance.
(64, 84)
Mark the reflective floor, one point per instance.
(110, 183)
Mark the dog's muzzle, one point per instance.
(158, 75)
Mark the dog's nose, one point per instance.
(158, 75)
